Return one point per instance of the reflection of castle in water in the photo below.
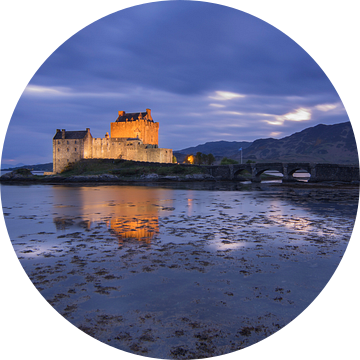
(128, 213)
(142, 229)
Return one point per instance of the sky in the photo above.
(207, 72)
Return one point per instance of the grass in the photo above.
(125, 168)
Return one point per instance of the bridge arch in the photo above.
(259, 169)
(243, 174)
(298, 168)
(300, 174)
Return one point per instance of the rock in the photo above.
(108, 177)
(18, 174)
(171, 178)
(168, 208)
(199, 177)
(92, 178)
(150, 177)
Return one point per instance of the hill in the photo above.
(37, 167)
(217, 148)
(321, 143)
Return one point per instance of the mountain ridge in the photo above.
(320, 143)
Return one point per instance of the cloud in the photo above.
(326, 107)
(44, 91)
(298, 115)
(47, 91)
(217, 105)
(220, 75)
(225, 95)
(301, 114)
(230, 113)
(275, 134)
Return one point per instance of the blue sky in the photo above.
(208, 72)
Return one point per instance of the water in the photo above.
(34, 172)
(179, 272)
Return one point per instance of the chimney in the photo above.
(107, 135)
(63, 133)
(148, 111)
(121, 113)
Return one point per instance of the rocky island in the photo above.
(107, 170)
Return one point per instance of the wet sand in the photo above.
(179, 273)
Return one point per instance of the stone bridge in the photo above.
(318, 172)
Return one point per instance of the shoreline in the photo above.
(154, 179)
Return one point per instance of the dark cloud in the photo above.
(174, 57)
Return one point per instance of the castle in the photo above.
(133, 136)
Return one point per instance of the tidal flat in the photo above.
(179, 272)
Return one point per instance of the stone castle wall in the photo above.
(105, 148)
(120, 148)
(68, 151)
(145, 130)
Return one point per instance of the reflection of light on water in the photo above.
(218, 243)
(129, 212)
(299, 175)
(273, 173)
(190, 206)
(142, 229)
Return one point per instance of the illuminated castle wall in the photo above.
(134, 136)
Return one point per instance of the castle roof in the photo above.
(131, 117)
(70, 134)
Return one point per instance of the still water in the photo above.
(172, 272)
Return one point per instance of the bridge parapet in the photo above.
(331, 172)
(318, 172)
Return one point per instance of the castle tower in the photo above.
(136, 125)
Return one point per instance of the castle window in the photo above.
(75, 141)
(67, 142)
(67, 150)
(75, 149)
(58, 141)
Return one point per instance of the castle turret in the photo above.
(148, 114)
